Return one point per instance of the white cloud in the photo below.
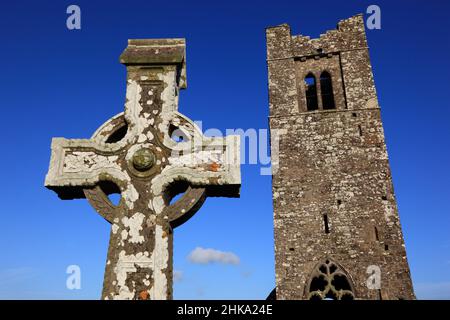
(205, 256)
(177, 275)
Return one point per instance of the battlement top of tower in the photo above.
(349, 35)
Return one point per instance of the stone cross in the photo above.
(148, 154)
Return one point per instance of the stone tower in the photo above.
(337, 230)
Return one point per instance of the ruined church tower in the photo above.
(337, 229)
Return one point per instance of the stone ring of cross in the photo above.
(144, 161)
(137, 154)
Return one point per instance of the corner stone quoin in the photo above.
(133, 154)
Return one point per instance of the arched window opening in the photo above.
(330, 282)
(326, 88)
(311, 92)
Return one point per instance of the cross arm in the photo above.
(211, 163)
(78, 163)
(214, 163)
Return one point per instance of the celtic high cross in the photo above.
(148, 154)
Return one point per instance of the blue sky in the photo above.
(56, 82)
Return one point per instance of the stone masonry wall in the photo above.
(332, 194)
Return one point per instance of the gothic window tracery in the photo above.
(330, 282)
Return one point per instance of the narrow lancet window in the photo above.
(326, 87)
(311, 92)
(325, 223)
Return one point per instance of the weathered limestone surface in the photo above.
(135, 154)
(335, 212)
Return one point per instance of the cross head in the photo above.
(149, 154)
